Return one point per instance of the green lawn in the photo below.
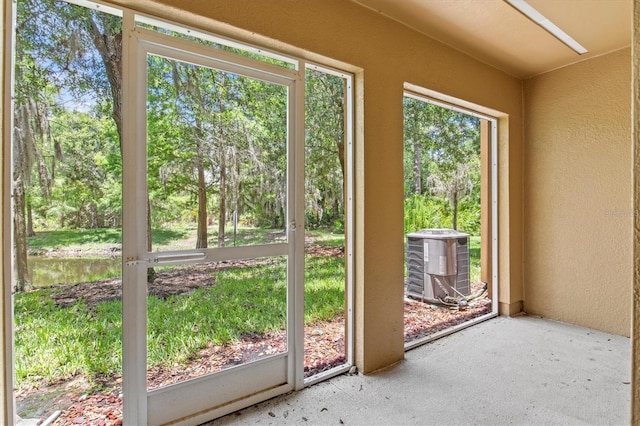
(73, 237)
(474, 258)
(53, 343)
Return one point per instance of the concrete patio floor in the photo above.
(518, 371)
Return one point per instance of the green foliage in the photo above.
(425, 212)
(88, 191)
(324, 150)
(219, 133)
(422, 212)
(206, 129)
(469, 217)
(441, 159)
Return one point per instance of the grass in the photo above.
(55, 343)
(101, 236)
(323, 288)
(326, 238)
(247, 300)
(72, 237)
(474, 258)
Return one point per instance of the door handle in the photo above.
(179, 257)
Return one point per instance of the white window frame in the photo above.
(349, 222)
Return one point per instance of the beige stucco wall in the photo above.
(384, 55)
(578, 206)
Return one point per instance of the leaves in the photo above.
(442, 159)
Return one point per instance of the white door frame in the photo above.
(210, 395)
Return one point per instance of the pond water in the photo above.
(48, 271)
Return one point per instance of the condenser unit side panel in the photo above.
(462, 257)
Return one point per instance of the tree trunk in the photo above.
(341, 155)
(201, 241)
(151, 273)
(454, 204)
(22, 281)
(223, 206)
(30, 231)
(417, 169)
(109, 46)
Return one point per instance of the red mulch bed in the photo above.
(323, 347)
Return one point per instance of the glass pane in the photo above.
(67, 187)
(212, 316)
(217, 157)
(325, 280)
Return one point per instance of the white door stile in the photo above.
(494, 215)
(296, 194)
(134, 291)
(350, 225)
(7, 410)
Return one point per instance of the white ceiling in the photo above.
(494, 32)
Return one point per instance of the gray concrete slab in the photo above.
(516, 371)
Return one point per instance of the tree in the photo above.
(325, 147)
(452, 184)
(32, 105)
(442, 149)
(216, 135)
(80, 51)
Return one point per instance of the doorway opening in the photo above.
(450, 218)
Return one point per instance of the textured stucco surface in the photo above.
(578, 204)
(385, 55)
